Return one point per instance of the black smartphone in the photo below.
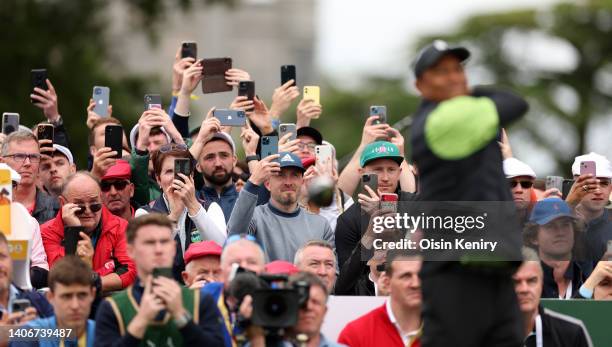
(152, 101)
(39, 79)
(163, 272)
(113, 138)
(370, 180)
(189, 49)
(247, 88)
(269, 146)
(234, 118)
(71, 238)
(287, 74)
(20, 305)
(45, 132)
(182, 165)
(10, 122)
(567, 186)
(213, 75)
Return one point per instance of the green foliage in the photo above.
(585, 26)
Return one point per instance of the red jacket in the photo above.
(110, 254)
(373, 329)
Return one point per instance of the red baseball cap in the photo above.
(121, 170)
(201, 249)
(281, 267)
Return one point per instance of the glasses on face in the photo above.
(309, 146)
(237, 237)
(21, 157)
(524, 184)
(105, 186)
(172, 146)
(95, 207)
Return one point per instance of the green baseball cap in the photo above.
(380, 150)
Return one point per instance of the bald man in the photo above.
(100, 234)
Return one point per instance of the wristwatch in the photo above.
(182, 321)
(251, 158)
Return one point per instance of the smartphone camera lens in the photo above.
(266, 141)
(283, 128)
(98, 91)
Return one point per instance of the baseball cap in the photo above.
(312, 132)
(380, 150)
(201, 249)
(432, 53)
(121, 170)
(65, 151)
(602, 164)
(220, 135)
(548, 209)
(15, 176)
(288, 159)
(134, 134)
(281, 267)
(515, 168)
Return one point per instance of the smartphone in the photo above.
(388, 201)
(312, 93)
(101, 96)
(554, 182)
(370, 180)
(567, 186)
(287, 74)
(163, 272)
(381, 112)
(323, 158)
(39, 79)
(113, 138)
(182, 165)
(20, 305)
(152, 101)
(234, 118)
(269, 146)
(286, 128)
(189, 49)
(587, 167)
(213, 75)
(71, 238)
(10, 122)
(45, 132)
(247, 88)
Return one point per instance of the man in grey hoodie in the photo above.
(281, 225)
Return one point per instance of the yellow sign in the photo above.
(5, 201)
(18, 249)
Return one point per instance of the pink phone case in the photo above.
(587, 167)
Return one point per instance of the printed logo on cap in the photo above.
(287, 157)
(383, 149)
(440, 45)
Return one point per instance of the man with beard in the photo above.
(55, 169)
(281, 225)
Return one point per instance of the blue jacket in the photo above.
(49, 323)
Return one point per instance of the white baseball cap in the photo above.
(602, 164)
(515, 168)
(65, 151)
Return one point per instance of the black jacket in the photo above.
(46, 207)
(560, 330)
(351, 225)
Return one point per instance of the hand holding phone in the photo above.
(189, 49)
(323, 155)
(101, 96)
(269, 146)
(312, 93)
(10, 122)
(233, 118)
(152, 101)
(388, 201)
(184, 166)
(370, 180)
(287, 128)
(163, 272)
(213, 75)
(113, 138)
(288, 74)
(380, 112)
(45, 132)
(588, 167)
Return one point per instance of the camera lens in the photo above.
(98, 91)
(275, 305)
(266, 141)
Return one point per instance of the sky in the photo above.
(360, 37)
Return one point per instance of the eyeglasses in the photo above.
(105, 186)
(310, 146)
(172, 146)
(95, 207)
(524, 184)
(21, 157)
(233, 238)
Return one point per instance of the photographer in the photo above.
(156, 310)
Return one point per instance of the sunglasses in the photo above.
(95, 207)
(243, 176)
(524, 184)
(172, 146)
(233, 238)
(105, 186)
